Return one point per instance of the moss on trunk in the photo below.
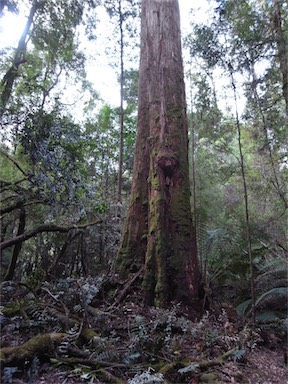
(158, 229)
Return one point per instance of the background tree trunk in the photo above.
(17, 247)
(10, 76)
(120, 164)
(159, 229)
(282, 43)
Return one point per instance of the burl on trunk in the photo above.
(159, 230)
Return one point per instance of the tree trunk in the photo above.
(245, 193)
(10, 76)
(282, 46)
(159, 230)
(17, 247)
(120, 164)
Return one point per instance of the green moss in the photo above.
(168, 367)
(209, 378)
(38, 345)
(12, 309)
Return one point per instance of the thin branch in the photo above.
(7, 185)
(20, 203)
(14, 162)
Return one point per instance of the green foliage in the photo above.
(271, 296)
(35, 278)
(272, 274)
(244, 307)
(8, 373)
(204, 43)
(220, 253)
(54, 147)
(131, 79)
(239, 40)
(238, 355)
(271, 290)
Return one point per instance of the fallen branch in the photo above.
(127, 287)
(92, 362)
(197, 365)
(98, 367)
(218, 361)
(43, 228)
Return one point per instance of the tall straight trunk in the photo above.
(159, 230)
(120, 164)
(245, 193)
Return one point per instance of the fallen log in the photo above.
(42, 344)
(196, 365)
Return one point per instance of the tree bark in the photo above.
(159, 230)
(17, 248)
(120, 164)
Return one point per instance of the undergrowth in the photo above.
(129, 343)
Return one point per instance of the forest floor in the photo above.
(91, 331)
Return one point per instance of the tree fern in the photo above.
(271, 290)
(238, 355)
(244, 307)
(272, 275)
(275, 295)
(218, 250)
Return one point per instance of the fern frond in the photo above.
(8, 373)
(110, 356)
(238, 354)
(273, 278)
(272, 296)
(267, 316)
(131, 358)
(243, 308)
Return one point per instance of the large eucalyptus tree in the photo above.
(159, 231)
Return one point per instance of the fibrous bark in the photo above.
(159, 230)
